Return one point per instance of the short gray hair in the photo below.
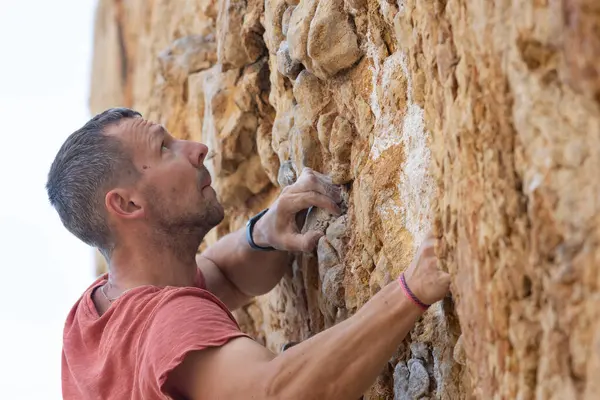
(86, 167)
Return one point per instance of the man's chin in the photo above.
(215, 214)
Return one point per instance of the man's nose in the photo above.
(197, 154)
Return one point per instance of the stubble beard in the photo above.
(185, 229)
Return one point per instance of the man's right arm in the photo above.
(338, 363)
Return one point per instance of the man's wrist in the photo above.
(256, 234)
(259, 234)
(410, 294)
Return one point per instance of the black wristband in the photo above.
(250, 227)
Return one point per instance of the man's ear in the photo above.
(122, 203)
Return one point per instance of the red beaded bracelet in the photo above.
(410, 294)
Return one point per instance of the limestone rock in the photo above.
(274, 10)
(382, 388)
(337, 232)
(478, 120)
(285, 19)
(340, 147)
(332, 285)
(321, 37)
(286, 175)
(239, 32)
(186, 56)
(317, 219)
(410, 382)
(327, 256)
(305, 148)
(311, 95)
(268, 157)
(297, 31)
(285, 65)
(332, 44)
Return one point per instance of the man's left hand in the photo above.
(278, 228)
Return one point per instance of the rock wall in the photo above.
(477, 118)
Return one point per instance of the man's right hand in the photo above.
(423, 277)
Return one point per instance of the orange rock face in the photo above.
(478, 119)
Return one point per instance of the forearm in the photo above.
(339, 363)
(253, 272)
(344, 361)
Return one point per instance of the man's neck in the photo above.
(132, 266)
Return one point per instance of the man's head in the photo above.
(120, 175)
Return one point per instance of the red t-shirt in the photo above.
(128, 351)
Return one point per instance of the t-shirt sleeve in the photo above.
(187, 320)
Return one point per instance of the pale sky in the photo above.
(44, 79)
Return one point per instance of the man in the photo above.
(158, 325)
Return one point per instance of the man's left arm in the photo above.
(235, 272)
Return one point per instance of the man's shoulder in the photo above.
(83, 306)
(142, 303)
(148, 311)
(189, 302)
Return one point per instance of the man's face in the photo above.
(174, 185)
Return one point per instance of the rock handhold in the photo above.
(317, 219)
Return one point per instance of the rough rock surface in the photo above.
(477, 118)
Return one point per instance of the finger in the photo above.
(323, 177)
(444, 279)
(315, 181)
(432, 265)
(319, 183)
(306, 242)
(309, 171)
(314, 199)
(426, 250)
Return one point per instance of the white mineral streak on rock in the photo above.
(387, 120)
(415, 186)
